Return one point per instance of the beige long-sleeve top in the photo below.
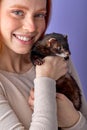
(15, 113)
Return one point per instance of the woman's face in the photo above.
(22, 23)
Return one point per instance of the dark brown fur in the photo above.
(57, 44)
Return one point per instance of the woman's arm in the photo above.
(81, 123)
(8, 118)
(44, 115)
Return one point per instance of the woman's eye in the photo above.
(18, 12)
(40, 15)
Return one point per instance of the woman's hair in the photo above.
(0, 43)
(48, 15)
(48, 12)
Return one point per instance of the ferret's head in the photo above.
(57, 43)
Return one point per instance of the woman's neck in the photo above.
(12, 62)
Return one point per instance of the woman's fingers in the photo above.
(54, 67)
(31, 99)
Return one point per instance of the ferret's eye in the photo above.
(59, 48)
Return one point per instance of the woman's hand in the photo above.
(31, 99)
(67, 114)
(54, 67)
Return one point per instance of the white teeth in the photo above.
(23, 38)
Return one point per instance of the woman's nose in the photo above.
(29, 24)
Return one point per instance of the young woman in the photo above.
(22, 23)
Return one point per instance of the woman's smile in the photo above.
(24, 39)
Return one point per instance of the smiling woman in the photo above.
(22, 23)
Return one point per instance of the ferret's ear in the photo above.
(48, 44)
(65, 36)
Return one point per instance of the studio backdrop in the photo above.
(70, 17)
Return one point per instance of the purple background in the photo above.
(70, 17)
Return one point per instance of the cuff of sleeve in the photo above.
(79, 125)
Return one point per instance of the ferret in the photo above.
(56, 44)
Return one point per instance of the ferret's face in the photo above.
(56, 47)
